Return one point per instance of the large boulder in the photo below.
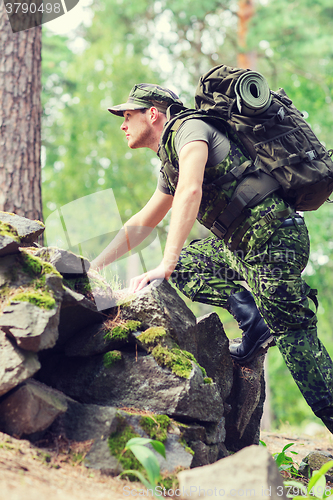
(134, 381)
(27, 230)
(245, 404)
(16, 365)
(30, 408)
(160, 305)
(251, 472)
(32, 328)
(212, 346)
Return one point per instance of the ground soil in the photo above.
(28, 472)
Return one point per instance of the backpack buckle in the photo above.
(281, 114)
(312, 155)
(218, 229)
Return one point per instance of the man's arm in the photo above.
(136, 229)
(192, 160)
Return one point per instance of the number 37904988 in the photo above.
(32, 8)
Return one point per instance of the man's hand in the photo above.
(141, 281)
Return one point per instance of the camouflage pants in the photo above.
(207, 271)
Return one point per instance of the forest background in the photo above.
(173, 42)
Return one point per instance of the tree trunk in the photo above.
(246, 10)
(20, 119)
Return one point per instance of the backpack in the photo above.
(273, 131)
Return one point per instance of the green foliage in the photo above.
(152, 335)
(122, 332)
(110, 358)
(174, 359)
(285, 462)
(147, 459)
(31, 265)
(34, 289)
(316, 487)
(156, 427)
(117, 442)
(287, 404)
(10, 231)
(39, 298)
(208, 380)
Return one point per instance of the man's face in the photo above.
(138, 129)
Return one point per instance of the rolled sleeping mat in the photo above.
(253, 94)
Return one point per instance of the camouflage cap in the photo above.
(146, 95)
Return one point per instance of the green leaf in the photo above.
(281, 459)
(318, 489)
(262, 443)
(142, 479)
(287, 446)
(159, 447)
(137, 441)
(317, 474)
(139, 475)
(148, 460)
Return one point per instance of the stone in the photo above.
(176, 453)
(64, 261)
(158, 304)
(6, 264)
(203, 454)
(8, 245)
(77, 312)
(246, 402)
(134, 381)
(314, 461)
(212, 346)
(16, 365)
(32, 327)
(100, 458)
(250, 472)
(92, 340)
(28, 230)
(30, 408)
(83, 422)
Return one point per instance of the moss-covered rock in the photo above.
(9, 231)
(38, 298)
(156, 426)
(179, 363)
(152, 336)
(34, 287)
(111, 357)
(28, 278)
(26, 229)
(178, 360)
(117, 442)
(122, 331)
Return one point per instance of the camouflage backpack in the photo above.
(274, 133)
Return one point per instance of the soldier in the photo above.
(267, 247)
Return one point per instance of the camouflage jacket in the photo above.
(257, 223)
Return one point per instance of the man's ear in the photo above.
(154, 114)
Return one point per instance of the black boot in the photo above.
(256, 336)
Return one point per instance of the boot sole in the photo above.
(258, 349)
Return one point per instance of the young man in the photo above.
(266, 245)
